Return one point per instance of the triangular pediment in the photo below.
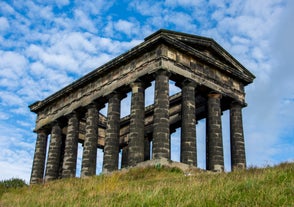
(207, 49)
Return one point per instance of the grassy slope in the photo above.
(159, 186)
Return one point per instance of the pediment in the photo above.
(206, 49)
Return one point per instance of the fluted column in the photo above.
(71, 147)
(53, 161)
(214, 143)
(136, 136)
(91, 140)
(161, 133)
(188, 129)
(37, 174)
(111, 147)
(238, 158)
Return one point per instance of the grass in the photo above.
(162, 186)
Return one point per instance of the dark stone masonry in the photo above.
(210, 79)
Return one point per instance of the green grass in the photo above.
(162, 186)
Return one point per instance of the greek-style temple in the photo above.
(210, 79)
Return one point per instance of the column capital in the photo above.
(96, 104)
(71, 114)
(238, 103)
(55, 123)
(140, 83)
(42, 130)
(214, 95)
(120, 95)
(186, 82)
(162, 71)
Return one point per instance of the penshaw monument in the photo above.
(210, 79)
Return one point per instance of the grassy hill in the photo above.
(163, 186)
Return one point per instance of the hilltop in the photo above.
(160, 185)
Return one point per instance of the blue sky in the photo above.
(45, 46)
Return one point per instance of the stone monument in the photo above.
(210, 79)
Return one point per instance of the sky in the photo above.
(46, 45)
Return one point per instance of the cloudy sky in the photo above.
(45, 46)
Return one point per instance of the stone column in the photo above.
(238, 158)
(111, 147)
(37, 174)
(53, 161)
(91, 140)
(161, 134)
(61, 157)
(71, 147)
(214, 144)
(136, 136)
(188, 130)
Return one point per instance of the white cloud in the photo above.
(9, 99)
(83, 21)
(126, 27)
(5, 8)
(4, 24)
(185, 3)
(4, 116)
(95, 7)
(13, 64)
(148, 8)
(16, 154)
(61, 3)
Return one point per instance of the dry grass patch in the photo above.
(163, 186)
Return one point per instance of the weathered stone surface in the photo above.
(71, 147)
(53, 161)
(90, 143)
(238, 158)
(136, 135)
(161, 134)
(111, 148)
(39, 158)
(214, 142)
(188, 130)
